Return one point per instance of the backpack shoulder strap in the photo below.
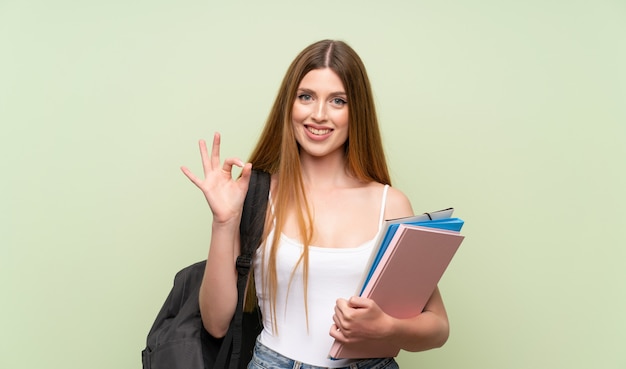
(253, 218)
(251, 232)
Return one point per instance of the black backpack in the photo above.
(177, 339)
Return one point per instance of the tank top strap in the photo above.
(381, 218)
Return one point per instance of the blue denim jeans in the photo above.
(265, 358)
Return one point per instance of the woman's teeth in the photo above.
(319, 132)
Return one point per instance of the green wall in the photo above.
(513, 112)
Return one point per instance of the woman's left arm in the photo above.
(359, 318)
(428, 330)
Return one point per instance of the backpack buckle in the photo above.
(243, 264)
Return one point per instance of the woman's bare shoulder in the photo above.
(398, 204)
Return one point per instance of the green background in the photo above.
(513, 112)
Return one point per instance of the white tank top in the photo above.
(333, 273)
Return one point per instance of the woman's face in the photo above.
(320, 113)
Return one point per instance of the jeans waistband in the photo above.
(264, 357)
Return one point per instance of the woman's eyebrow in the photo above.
(309, 91)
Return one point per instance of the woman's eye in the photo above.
(304, 97)
(340, 102)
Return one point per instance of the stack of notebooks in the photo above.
(410, 256)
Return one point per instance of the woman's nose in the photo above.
(319, 112)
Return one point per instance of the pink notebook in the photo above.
(404, 280)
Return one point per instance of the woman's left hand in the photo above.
(358, 319)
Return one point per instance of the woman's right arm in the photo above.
(218, 292)
(225, 195)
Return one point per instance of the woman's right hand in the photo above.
(224, 194)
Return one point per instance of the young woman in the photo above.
(330, 192)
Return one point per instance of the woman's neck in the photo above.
(328, 172)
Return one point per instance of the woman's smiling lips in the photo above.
(317, 133)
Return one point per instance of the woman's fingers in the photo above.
(230, 162)
(191, 176)
(212, 162)
(204, 156)
(215, 151)
(246, 172)
(336, 333)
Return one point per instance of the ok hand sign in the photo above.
(224, 194)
